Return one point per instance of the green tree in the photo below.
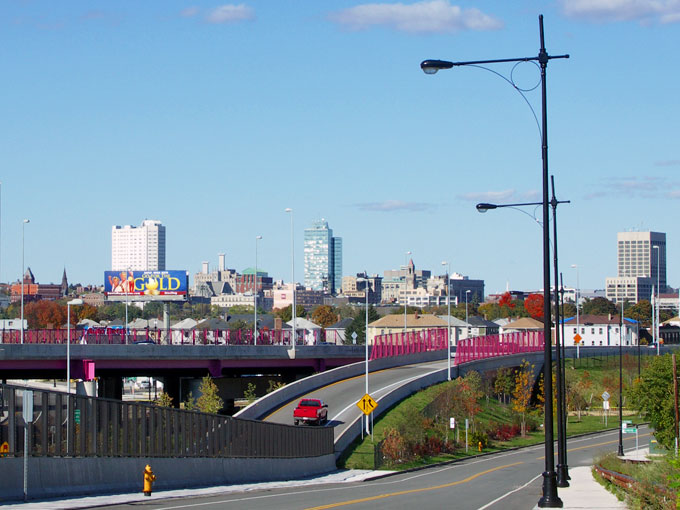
(209, 401)
(598, 306)
(568, 310)
(358, 325)
(652, 395)
(286, 313)
(249, 393)
(241, 310)
(504, 383)
(152, 310)
(640, 311)
(164, 400)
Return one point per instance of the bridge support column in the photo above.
(110, 387)
(86, 388)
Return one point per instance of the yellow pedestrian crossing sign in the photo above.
(367, 404)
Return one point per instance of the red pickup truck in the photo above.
(310, 410)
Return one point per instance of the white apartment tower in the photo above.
(641, 258)
(138, 248)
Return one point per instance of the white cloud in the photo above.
(189, 12)
(644, 11)
(489, 196)
(395, 205)
(420, 17)
(230, 13)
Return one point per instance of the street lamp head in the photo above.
(432, 66)
(444, 262)
(77, 301)
(288, 209)
(258, 237)
(27, 221)
(483, 207)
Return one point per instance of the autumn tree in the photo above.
(45, 314)
(533, 304)
(324, 316)
(521, 393)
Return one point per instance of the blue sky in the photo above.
(214, 118)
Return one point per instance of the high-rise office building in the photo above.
(138, 248)
(323, 258)
(641, 261)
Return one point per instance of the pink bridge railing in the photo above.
(398, 344)
(470, 349)
(162, 336)
(482, 347)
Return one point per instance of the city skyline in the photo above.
(212, 119)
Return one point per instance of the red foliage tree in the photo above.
(506, 300)
(533, 304)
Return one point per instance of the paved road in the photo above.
(342, 396)
(505, 481)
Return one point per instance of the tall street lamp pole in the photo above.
(620, 449)
(68, 370)
(257, 238)
(467, 322)
(656, 301)
(550, 497)
(23, 224)
(292, 271)
(448, 318)
(578, 322)
(562, 467)
(405, 286)
(365, 280)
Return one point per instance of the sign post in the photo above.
(605, 406)
(367, 405)
(27, 407)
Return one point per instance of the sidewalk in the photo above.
(584, 492)
(345, 476)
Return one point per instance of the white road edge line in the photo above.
(511, 492)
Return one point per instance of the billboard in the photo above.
(146, 285)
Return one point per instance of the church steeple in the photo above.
(64, 284)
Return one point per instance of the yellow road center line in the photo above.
(412, 491)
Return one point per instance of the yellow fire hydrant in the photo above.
(149, 478)
(480, 446)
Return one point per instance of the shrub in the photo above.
(480, 437)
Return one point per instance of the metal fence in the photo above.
(79, 426)
(489, 346)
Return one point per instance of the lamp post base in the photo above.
(550, 498)
(563, 475)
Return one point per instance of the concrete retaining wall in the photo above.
(272, 401)
(57, 477)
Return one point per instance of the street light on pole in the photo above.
(562, 468)
(656, 300)
(68, 370)
(292, 272)
(257, 238)
(467, 323)
(620, 450)
(549, 497)
(365, 280)
(23, 224)
(127, 293)
(448, 318)
(405, 286)
(578, 322)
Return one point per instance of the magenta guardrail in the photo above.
(398, 344)
(162, 336)
(481, 347)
